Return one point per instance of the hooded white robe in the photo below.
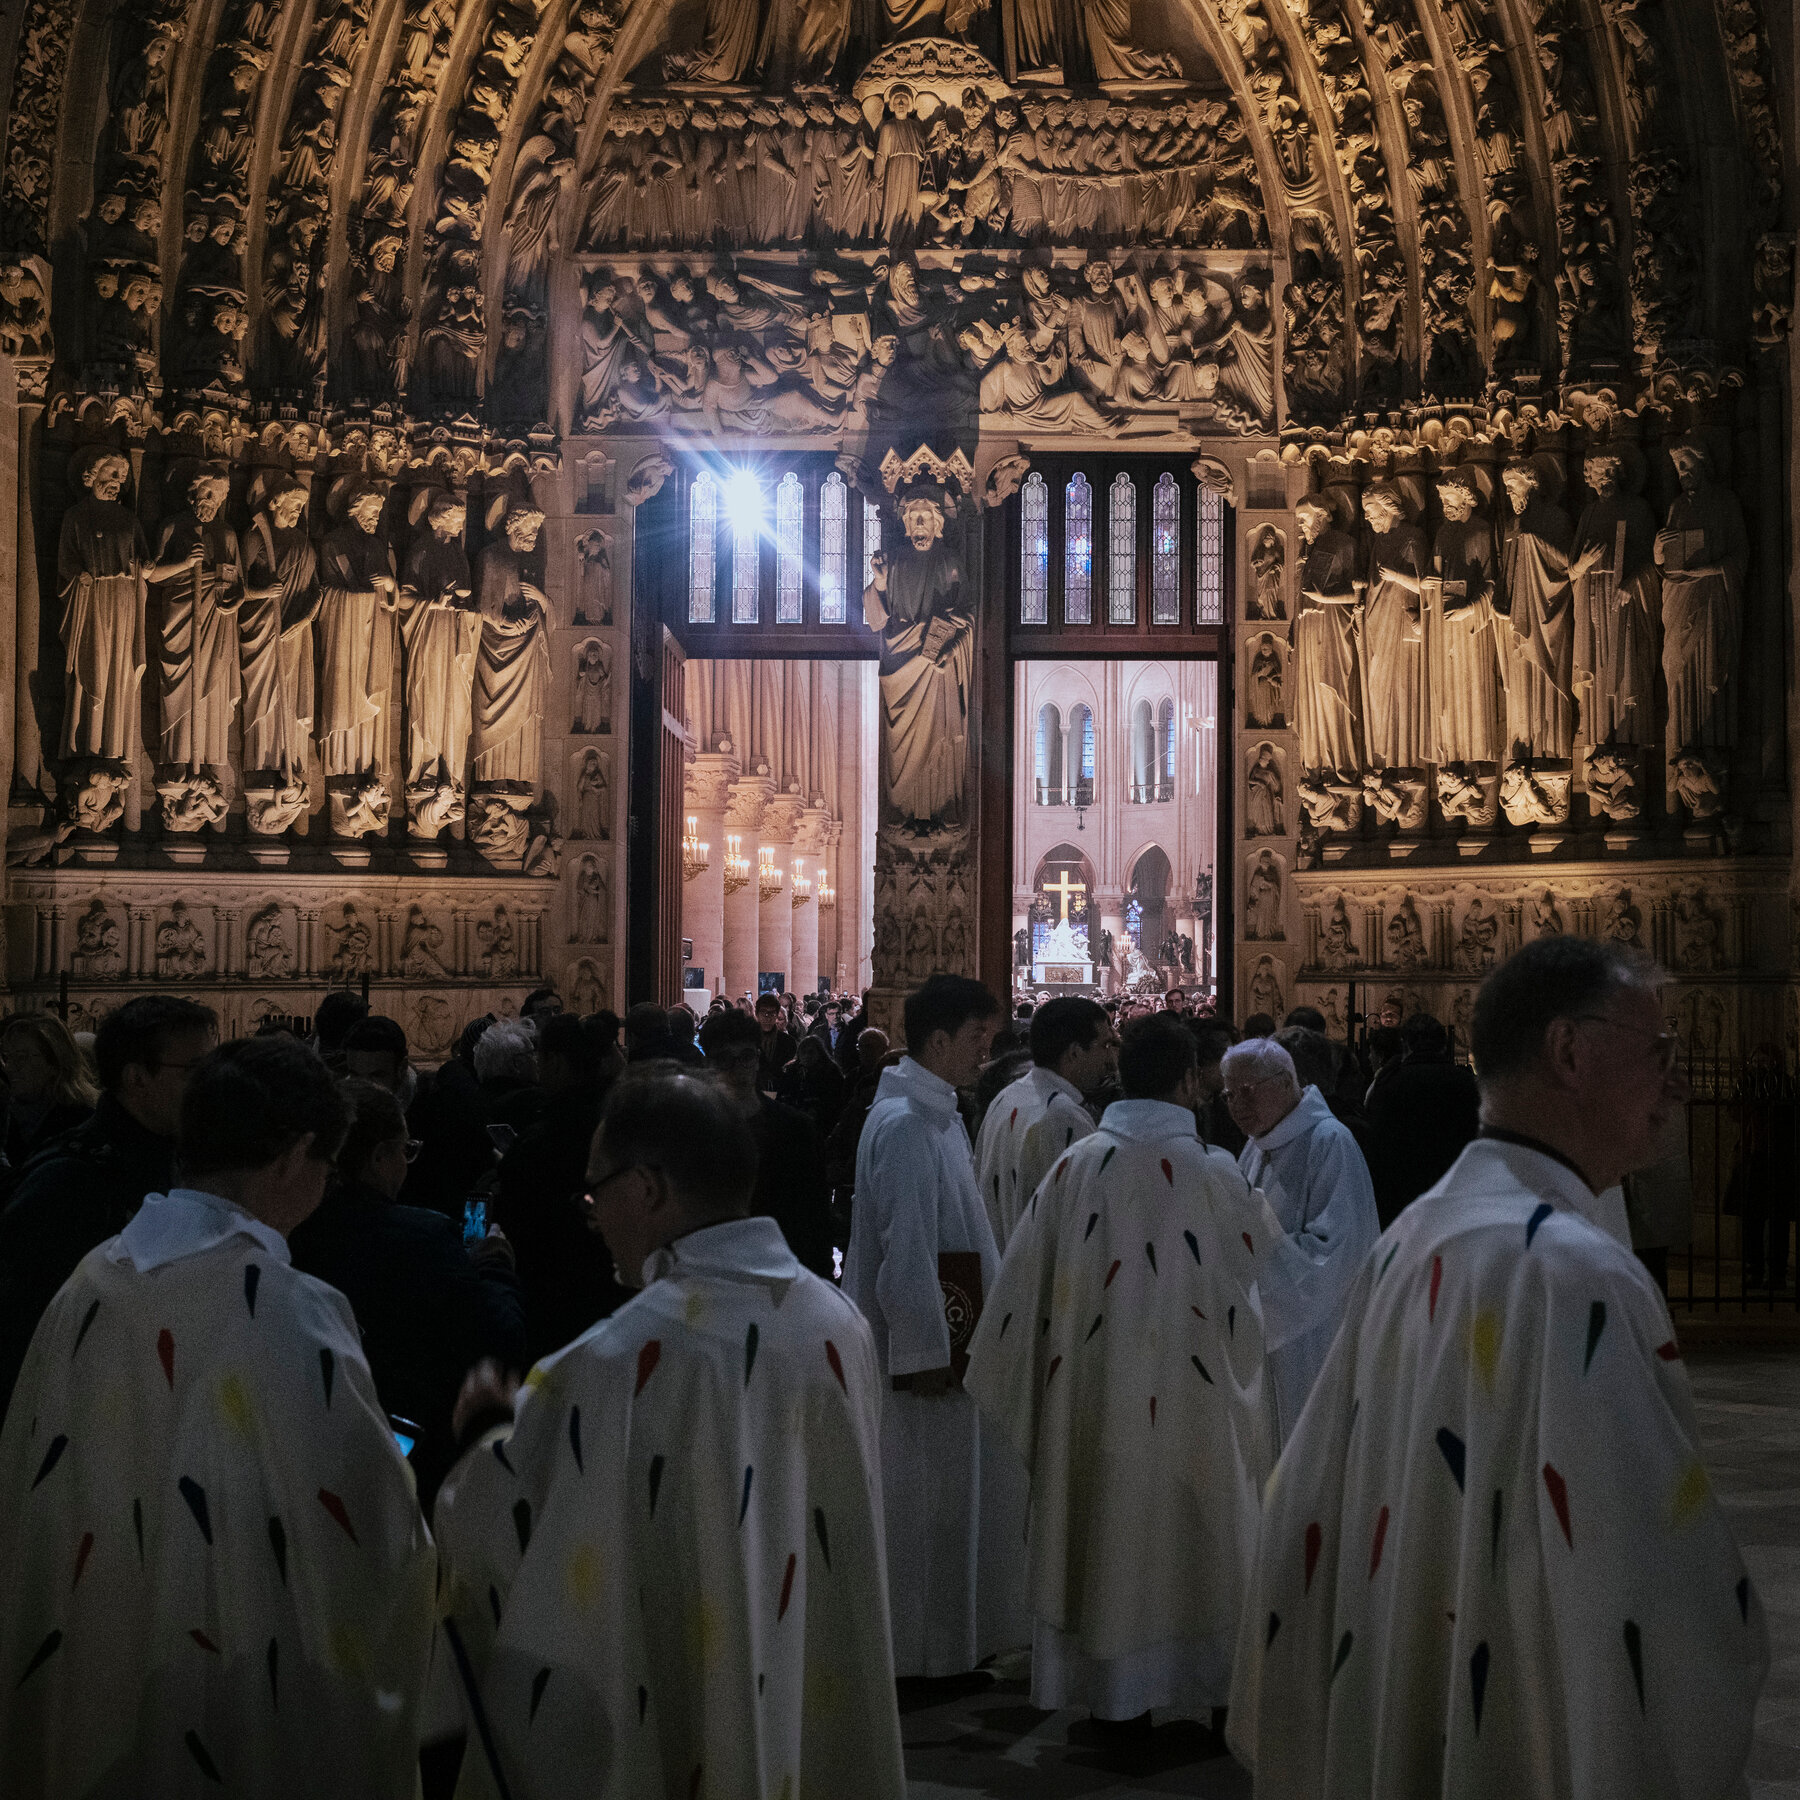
(1316, 1182)
(954, 1494)
(217, 1580)
(668, 1573)
(1031, 1123)
(1491, 1563)
(1122, 1352)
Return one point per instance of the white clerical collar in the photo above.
(1144, 1121)
(752, 1248)
(1541, 1172)
(1050, 1084)
(185, 1222)
(1310, 1111)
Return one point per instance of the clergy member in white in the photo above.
(216, 1577)
(667, 1573)
(1313, 1175)
(1033, 1120)
(954, 1492)
(1122, 1351)
(1491, 1562)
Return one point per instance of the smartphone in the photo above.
(406, 1433)
(474, 1223)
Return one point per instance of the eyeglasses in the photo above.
(591, 1194)
(193, 1062)
(1230, 1095)
(1665, 1044)
(413, 1147)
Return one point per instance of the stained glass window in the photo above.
(1121, 524)
(1034, 551)
(1083, 722)
(746, 550)
(790, 558)
(871, 539)
(1078, 553)
(1166, 732)
(1165, 552)
(1210, 561)
(703, 547)
(834, 525)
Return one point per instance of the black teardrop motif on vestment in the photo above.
(198, 1752)
(1478, 1674)
(1634, 1650)
(1093, 1220)
(522, 1523)
(278, 1543)
(328, 1370)
(87, 1319)
(252, 1277)
(1099, 1320)
(744, 1503)
(39, 1657)
(1150, 1251)
(274, 1661)
(500, 1458)
(1494, 1535)
(539, 1682)
(1454, 1453)
(1003, 1325)
(749, 1351)
(1343, 1653)
(1198, 1364)
(494, 1602)
(575, 1438)
(1743, 1598)
(1545, 1209)
(195, 1496)
(1274, 1626)
(824, 1540)
(52, 1457)
(643, 1701)
(656, 1469)
(137, 1525)
(1193, 1244)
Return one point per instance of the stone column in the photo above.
(707, 798)
(809, 846)
(750, 794)
(776, 922)
(1109, 905)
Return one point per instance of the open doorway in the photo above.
(1115, 833)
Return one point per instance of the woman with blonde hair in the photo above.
(50, 1088)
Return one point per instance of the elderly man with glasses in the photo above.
(1317, 1185)
(1490, 1558)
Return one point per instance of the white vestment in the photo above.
(1030, 1124)
(216, 1577)
(1491, 1564)
(1315, 1180)
(668, 1574)
(954, 1493)
(1122, 1351)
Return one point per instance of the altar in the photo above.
(1062, 959)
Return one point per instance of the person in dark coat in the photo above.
(1421, 1114)
(565, 1268)
(428, 1309)
(791, 1187)
(776, 1049)
(449, 1118)
(851, 1026)
(1217, 1126)
(86, 1187)
(813, 1084)
(48, 1089)
(840, 1146)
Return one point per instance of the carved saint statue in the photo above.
(419, 959)
(1266, 684)
(1265, 989)
(266, 953)
(180, 947)
(590, 903)
(927, 654)
(594, 606)
(1540, 639)
(96, 956)
(275, 638)
(593, 798)
(512, 670)
(440, 627)
(100, 567)
(1703, 554)
(1546, 916)
(1262, 899)
(1337, 943)
(1614, 575)
(1461, 646)
(1479, 942)
(593, 688)
(359, 661)
(496, 952)
(1263, 794)
(1406, 937)
(353, 945)
(1267, 560)
(199, 572)
(587, 991)
(1393, 640)
(1327, 703)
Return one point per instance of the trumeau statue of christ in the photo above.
(927, 652)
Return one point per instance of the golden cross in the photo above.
(1065, 890)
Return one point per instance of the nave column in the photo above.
(777, 923)
(750, 795)
(809, 847)
(708, 798)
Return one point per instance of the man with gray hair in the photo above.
(1317, 1184)
(1490, 1558)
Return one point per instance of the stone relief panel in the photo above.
(592, 919)
(1266, 801)
(1263, 899)
(591, 782)
(592, 690)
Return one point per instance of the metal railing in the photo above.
(1743, 1140)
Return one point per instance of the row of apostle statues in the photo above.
(1481, 648)
(793, 352)
(297, 641)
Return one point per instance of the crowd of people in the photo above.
(627, 1405)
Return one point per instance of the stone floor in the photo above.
(992, 1741)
